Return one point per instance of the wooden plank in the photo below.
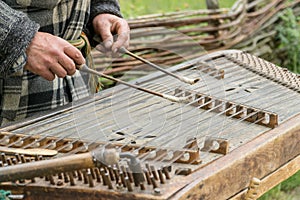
(274, 179)
(226, 176)
(49, 193)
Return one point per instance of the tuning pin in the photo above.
(109, 183)
(122, 177)
(128, 184)
(98, 175)
(147, 174)
(161, 177)
(90, 179)
(71, 177)
(51, 179)
(153, 172)
(153, 181)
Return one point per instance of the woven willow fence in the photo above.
(167, 39)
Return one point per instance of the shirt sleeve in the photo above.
(16, 32)
(105, 6)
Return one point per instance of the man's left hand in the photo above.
(108, 25)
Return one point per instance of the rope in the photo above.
(83, 44)
(4, 194)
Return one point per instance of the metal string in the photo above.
(232, 93)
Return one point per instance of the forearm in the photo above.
(16, 32)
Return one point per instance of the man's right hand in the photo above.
(49, 55)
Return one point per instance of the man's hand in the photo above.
(48, 55)
(107, 25)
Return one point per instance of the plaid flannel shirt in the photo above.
(23, 93)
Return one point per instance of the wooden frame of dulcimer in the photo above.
(256, 147)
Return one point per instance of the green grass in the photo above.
(133, 8)
(284, 190)
(288, 34)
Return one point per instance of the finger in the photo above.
(68, 64)
(122, 29)
(108, 44)
(100, 48)
(47, 74)
(58, 69)
(122, 41)
(106, 35)
(40, 70)
(74, 54)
